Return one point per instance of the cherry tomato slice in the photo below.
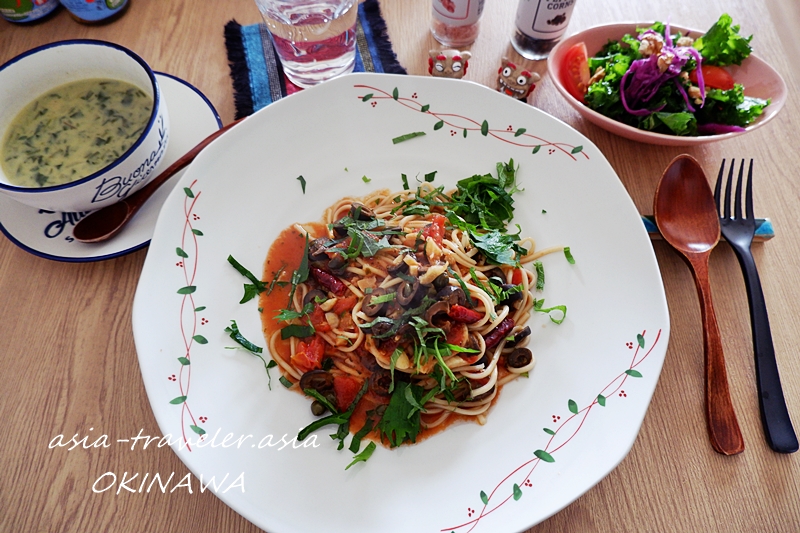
(575, 71)
(714, 77)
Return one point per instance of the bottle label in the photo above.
(93, 10)
(26, 10)
(544, 19)
(458, 12)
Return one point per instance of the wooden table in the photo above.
(69, 364)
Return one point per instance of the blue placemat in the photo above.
(258, 78)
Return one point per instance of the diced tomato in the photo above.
(317, 319)
(575, 71)
(435, 229)
(516, 277)
(344, 304)
(308, 356)
(714, 77)
(346, 389)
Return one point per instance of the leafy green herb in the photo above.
(396, 424)
(301, 274)
(538, 305)
(294, 330)
(286, 315)
(285, 382)
(255, 287)
(302, 181)
(236, 335)
(539, 275)
(722, 45)
(364, 455)
(568, 255)
(407, 136)
(365, 179)
(485, 201)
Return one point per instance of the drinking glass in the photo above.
(315, 39)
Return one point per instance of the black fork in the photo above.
(738, 230)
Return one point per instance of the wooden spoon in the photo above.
(687, 218)
(106, 222)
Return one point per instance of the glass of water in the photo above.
(315, 39)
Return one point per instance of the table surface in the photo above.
(69, 363)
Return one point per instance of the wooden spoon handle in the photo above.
(723, 428)
(138, 198)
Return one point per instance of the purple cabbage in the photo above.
(716, 129)
(643, 79)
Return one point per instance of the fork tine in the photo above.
(718, 186)
(737, 205)
(749, 193)
(728, 186)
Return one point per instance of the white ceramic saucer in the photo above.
(48, 234)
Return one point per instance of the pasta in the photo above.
(400, 311)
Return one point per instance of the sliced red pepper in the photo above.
(499, 333)
(329, 281)
(459, 313)
(516, 277)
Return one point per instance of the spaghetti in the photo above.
(405, 310)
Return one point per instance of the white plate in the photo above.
(244, 190)
(48, 234)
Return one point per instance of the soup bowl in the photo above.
(34, 73)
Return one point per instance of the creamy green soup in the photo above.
(74, 130)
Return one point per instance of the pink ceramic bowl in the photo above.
(759, 79)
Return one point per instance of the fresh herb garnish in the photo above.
(302, 181)
(407, 136)
(299, 331)
(363, 456)
(299, 275)
(568, 255)
(236, 335)
(252, 289)
(538, 305)
(400, 423)
(285, 315)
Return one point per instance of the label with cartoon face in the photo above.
(26, 10)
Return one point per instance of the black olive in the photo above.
(312, 296)
(519, 358)
(316, 250)
(318, 380)
(436, 309)
(513, 297)
(368, 307)
(452, 295)
(361, 212)
(395, 269)
(407, 292)
(461, 390)
(380, 381)
(442, 281)
(381, 328)
(518, 336)
(339, 230)
(337, 264)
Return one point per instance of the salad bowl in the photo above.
(759, 79)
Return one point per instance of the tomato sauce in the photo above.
(284, 256)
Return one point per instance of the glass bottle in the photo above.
(456, 22)
(27, 12)
(95, 11)
(540, 25)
